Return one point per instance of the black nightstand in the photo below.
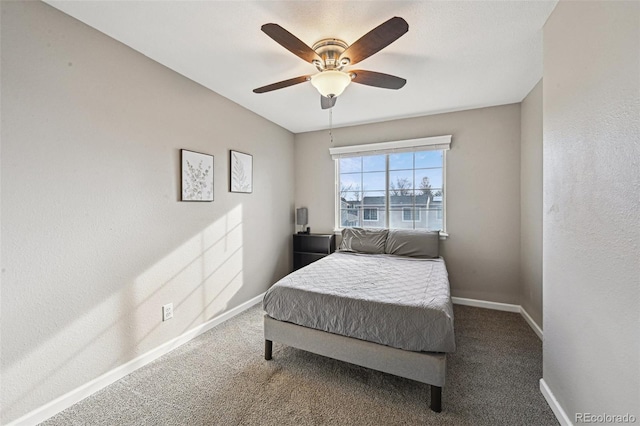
(307, 248)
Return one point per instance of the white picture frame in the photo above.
(240, 172)
(197, 176)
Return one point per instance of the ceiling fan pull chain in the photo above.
(331, 125)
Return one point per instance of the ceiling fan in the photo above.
(330, 56)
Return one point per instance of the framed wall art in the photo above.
(241, 172)
(197, 176)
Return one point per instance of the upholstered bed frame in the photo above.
(424, 367)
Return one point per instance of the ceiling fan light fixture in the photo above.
(331, 83)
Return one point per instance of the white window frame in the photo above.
(434, 143)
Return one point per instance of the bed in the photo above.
(381, 302)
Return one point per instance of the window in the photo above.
(370, 215)
(410, 214)
(392, 187)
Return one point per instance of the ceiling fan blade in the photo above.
(290, 42)
(282, 84)
(327, 103)
(376, 40)
(377, 79)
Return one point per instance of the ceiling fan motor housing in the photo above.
(330, 49)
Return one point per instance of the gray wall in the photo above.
(483, 191)
(94, 239)
(591, 238)
(531, 203)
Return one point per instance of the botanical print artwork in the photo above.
(197, 176)
(241, 172)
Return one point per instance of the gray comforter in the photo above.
(396, 301)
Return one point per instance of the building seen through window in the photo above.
(396, 190)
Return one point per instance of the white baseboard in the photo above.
(496, 306)
(67, 400)
(507, 307)
(536, 328)
(555, 406)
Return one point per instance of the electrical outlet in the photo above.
(167, 311)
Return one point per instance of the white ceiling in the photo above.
(457, 55)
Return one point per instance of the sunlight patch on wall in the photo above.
(196, 277)
(199, 278)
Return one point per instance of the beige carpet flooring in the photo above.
(221, 378)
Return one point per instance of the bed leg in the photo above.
(436, 398)
(268, 346)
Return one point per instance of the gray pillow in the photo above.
(413, 242)
(361, 240)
